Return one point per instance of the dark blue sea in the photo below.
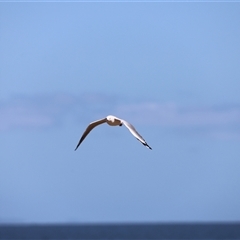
(122, 231)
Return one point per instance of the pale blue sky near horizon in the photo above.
(171, 69)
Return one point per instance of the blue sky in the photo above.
(171, 69)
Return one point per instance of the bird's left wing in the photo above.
(89, 128)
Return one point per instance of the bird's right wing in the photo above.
(89, 128)
(135, 133)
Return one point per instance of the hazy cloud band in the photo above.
(48, 110)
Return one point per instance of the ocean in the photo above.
(122, 231)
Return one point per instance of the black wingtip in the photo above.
(76, 147)
(146, 145)
(149, 147)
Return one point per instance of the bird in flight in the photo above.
(113, 121)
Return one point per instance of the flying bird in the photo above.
(113, 121)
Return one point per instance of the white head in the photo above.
(111, 118)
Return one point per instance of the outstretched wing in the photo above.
(135, 133)
(89, 128)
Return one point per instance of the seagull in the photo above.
(113, 121)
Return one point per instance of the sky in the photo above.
(169, 68)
